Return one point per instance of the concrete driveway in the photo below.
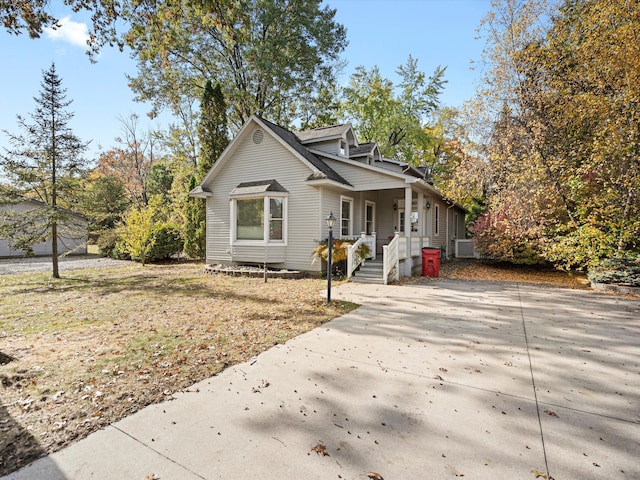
(442, 380)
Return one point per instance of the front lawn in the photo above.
(98, 345)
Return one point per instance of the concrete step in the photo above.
(370, 272)
(372, 280)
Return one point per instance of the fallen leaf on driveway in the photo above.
(374, 476)
(551, 413)
(542, 475)
(321, 449)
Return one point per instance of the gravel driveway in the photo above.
(43, 264)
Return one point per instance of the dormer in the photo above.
(336, 140)
(365, 153)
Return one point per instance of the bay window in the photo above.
(259, 213)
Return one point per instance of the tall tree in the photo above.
(34, 16)
(44, 163)
(564, 148)
(582, 105)
(104, 201)
(212, 133)
(132, 161)
(212, 129)
(394, 116)
(263, 52)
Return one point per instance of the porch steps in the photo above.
(370, 272)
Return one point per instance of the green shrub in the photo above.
(110, 245)
(165, 241)
(619, 271)
(147, 238)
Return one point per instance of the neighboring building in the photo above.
(72, 236)
(295, 180)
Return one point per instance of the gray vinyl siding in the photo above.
(439, 239)
(454, 231)
(265, 161)
(365, 178)
(330, 146)
(331, 204)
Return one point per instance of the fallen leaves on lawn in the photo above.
(467, 269)
(99, 345)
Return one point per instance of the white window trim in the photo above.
(349, 200)
(373, 220)
(266, 216)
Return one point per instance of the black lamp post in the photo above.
(331, 221)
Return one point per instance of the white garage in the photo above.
(72, 236)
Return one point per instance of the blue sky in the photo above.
(380, 32)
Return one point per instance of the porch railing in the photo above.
(402, 247)
(354, 260)
(391, 259)
(369, 241)
(416, 244)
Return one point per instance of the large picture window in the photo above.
(250, 219)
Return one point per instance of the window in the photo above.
(346, 216)
(436, 228)
(276, 218)
(259, 212)
(369, 218)
(250, 214)
(250, 219)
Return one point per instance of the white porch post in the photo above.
(420, 218)
(408, 205)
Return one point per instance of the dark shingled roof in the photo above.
(261, 186)
(362, 149)
(292, 140)
(322, 132)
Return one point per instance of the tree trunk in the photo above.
(54, 250)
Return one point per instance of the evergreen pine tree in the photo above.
(212, 130)
(44, 163)
(212, 133)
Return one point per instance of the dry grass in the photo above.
(100, 344)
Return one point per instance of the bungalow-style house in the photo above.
(269, 194)
(72, 236)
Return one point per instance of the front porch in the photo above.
(395, 224)
(401, 257)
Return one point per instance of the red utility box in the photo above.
(430, 262)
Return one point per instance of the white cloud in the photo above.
(69, 31)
